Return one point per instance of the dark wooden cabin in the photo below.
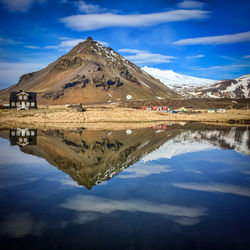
(23, 100)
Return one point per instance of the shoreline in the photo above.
(115, 118)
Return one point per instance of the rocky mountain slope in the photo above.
(182, 84)
(234, 88)
(90, 73)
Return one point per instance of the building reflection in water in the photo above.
(23, 137)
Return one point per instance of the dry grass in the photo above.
(107, 117)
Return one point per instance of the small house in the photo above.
(23, 100)
(155, 108)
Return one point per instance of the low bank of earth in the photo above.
(111, 117)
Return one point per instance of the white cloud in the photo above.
(99, 21)
(197, 56)
(32, 47)
(143, 56)
(19, 5)
(89, 8)
(11, 71)
(247, 56)
(215, 40)
(67, 43)
(214, 187)
(138, 171)
(191, 5)
(87, 203)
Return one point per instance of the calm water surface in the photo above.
(168, 187)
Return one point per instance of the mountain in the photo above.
(90, 73)
(182, 84)
(234, 88)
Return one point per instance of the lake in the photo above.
(174, 186)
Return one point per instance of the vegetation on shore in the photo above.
(111, 117)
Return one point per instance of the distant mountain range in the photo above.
(234, 88)
(189, 86)
(90, 73)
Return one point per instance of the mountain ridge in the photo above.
(189, 86)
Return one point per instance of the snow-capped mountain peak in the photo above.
(178, 82)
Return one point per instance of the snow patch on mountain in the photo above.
(232, 88)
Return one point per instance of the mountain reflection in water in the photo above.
(175, 186)
(91, 157)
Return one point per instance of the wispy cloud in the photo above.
(89, 8)
(191, 5)
(32, 47)
(138, 171)
(68, 43)
(222, 67)
(215, 187)
(143, 56)
(215, 40)
(11, 71)
(87, 203)
(197, 56)
(99, 21)
(247, 56)
(19, 5)
(7, 41)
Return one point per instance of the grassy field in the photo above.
(111, 117)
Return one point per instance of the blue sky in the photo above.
(209, 39)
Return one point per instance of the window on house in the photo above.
(25, 97)
(32, 104)
(13, 133)
(32, 133)
(28, 133)
(20, 97)
(18, 104)
(20, 139)
(28, 103)
(25, 139)
(13, 104)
